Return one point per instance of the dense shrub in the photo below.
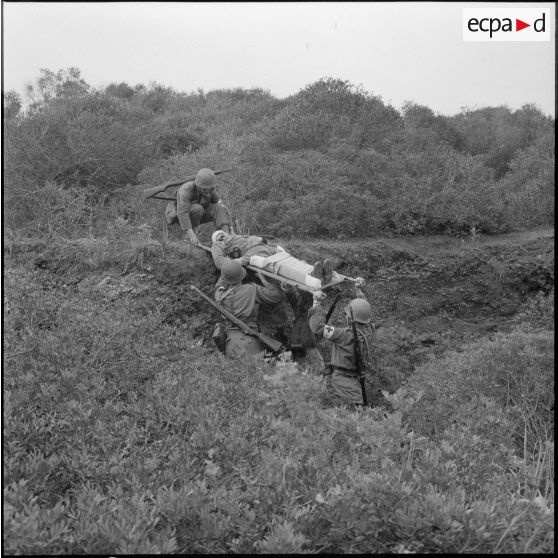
(515, 369)
(327, 213)
(328, 111)
(539, 313)
(11, 104)
(423, 118)
(528, 189)
(250, 106)
(121, 90)
(293, 130)
(175, 134)
(92, 141)
(499, 133)
(411, 173)
(125, 433)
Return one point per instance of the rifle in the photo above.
(327, 317)
(152, 192)
(274, 345)
(358, 359)
(331, 309)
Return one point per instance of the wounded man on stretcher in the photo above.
(255, 252)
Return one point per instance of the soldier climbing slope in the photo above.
(243, 302)
(198, 202)
(344, 379)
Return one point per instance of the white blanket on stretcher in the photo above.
(287, 266)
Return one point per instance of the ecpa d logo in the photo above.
(506, 24)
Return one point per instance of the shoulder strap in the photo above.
(227, 292)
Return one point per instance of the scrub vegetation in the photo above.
(125, 431)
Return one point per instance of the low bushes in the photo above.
(125, 434)
(516, 370)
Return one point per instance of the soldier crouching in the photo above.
(243, 302)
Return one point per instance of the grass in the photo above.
(125, 433)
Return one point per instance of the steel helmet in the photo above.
(217, 235)
(206, 178)
(361, 310)
(232, 272)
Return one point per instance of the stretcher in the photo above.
(336, 278)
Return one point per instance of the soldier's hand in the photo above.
(318, 296)
(243, 260)
(359, 282)
(192, 237)
(263, 279)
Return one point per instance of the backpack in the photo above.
(219, 334)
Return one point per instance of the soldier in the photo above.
(197, 202)
(239, 247)
(242, 247)
(300, 334)
(344, 381)
(243, 301)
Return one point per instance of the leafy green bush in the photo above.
(328, 111)
(515, 369)
(539, 313)
(528, 188)
(412, 173)
(500, 133)
(94, 141)
(124, 433)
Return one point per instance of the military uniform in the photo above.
(195, 206)
(344, 380)
(243, 301)
(301, 334)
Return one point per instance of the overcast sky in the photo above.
(400, 51)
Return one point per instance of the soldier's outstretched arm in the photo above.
(318, 325)
(218, 254)
(265, 282)
(316, 314)
(269, 293)
(359, 283)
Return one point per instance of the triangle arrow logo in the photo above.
(519, 25)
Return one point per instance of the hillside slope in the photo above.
(429, 294)
(126, 432)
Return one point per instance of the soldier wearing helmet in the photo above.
(243, 301)
(344, 381)
(197, 202)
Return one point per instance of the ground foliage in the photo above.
(124, 431)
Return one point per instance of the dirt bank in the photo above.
(429, 294)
